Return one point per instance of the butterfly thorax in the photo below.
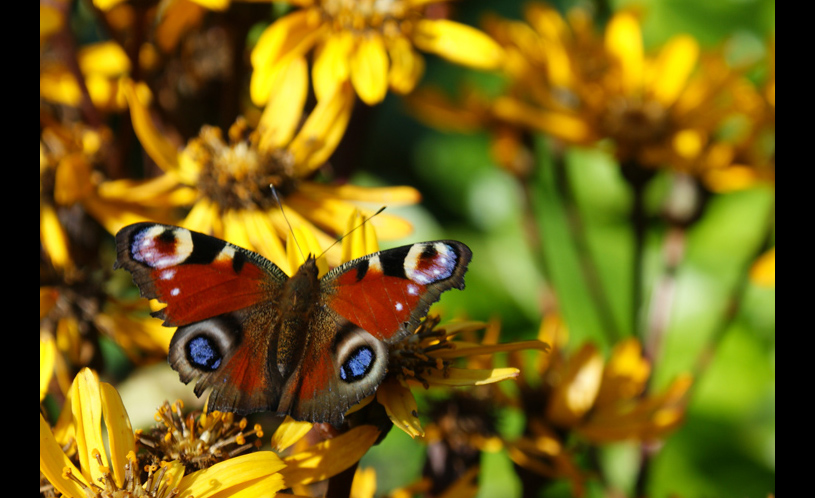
(301, 294)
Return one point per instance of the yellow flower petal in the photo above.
(302, 244)
(87, 412)
(360, 239)
(401, 406)
(51, 21)
(289, 432)
(322, 131)
(289, 37)
(105, 58)
(389, 196)
(329, 213)
(235, 229)
(369, 68)
(624, 42)
(463, 350)
(120, 432)
(47, 353)
(763, 271)
(73, 180)
(331, 67)
(730, 179)
(672, 69)
(214, 4)
(651, 418)
(625, 374)
(564, 126)
(407, 66)
(281, 116)
(577, 390)
(53, 238)
(235, 474)
(458, 43)
(178, 18)
(53, 461)
(264, 236)
(200, 217)
(470, 377)
(105, 5)
(364, 484)
(164, 153)
(329, 458)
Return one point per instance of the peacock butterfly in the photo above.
(304, 346)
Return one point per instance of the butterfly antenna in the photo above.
(364, 220)
(291, 230)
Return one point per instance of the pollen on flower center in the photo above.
(410, 359)
(358, 15)
(635, 122)
(237, 175)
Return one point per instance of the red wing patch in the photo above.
(389, 292)
(196, 275)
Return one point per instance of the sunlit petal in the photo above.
(624, 43)
(281, 116)
(672, 69)
(401, 406)
(369, 69)
(330, 457)
(458, 43)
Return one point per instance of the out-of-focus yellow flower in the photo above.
(101, 64)
(763, 270)
(71, 163)
(565, 79)
(599, 400)
(752, 152)
(233, 178)
(370, 43)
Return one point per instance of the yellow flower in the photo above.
(568, 81)
(426, 359)
(92, 467)
(370, 43)
(232, 178)
(103, 469)
(600, 401)
(100, 64)
(71, 162)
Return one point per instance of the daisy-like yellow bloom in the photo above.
(371, 43)
(426, 359)
(600, 401)
(581, 86)
(95, 466)
(232, 176)
(90, 467)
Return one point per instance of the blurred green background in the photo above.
(727, 445)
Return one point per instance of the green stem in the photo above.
(588, 268)
(637, 177)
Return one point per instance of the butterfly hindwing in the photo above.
(223, 299)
